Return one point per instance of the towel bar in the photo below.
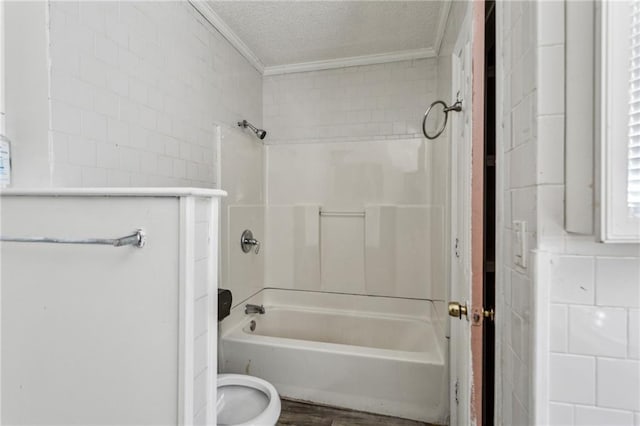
(136, 239)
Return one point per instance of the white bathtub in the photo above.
(376, 354)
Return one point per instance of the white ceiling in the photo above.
(281, 33)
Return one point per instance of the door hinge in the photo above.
(478, 315)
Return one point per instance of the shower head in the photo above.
(261, 133)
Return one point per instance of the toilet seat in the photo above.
(246, 401)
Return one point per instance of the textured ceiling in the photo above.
(291, 32)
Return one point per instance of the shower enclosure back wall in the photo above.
(393, 246)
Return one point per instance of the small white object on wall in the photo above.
(520, 249)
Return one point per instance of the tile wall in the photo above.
(356, 103)
(517, 192)
(134, 101)
(205, 256)
(587, 296)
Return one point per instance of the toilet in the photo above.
(246, 401)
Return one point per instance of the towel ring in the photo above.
(457, 106)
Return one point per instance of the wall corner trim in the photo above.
(352, 61)
(214, 19)
(218, 23)
(442, 26)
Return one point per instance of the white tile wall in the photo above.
(593, 416)
(617, 282)
(573, 279)
(136, 89)
(634, 334)
(365, 102)
(205, 273)
(559, 320)
(560, 414)
(619, 384)
(517, 174)
(593, 289)
(582, 386)
(595, 330)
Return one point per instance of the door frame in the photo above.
(477, 207)
(490, 214)
(471, 35)
(467, 231)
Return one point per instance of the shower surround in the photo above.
(351, 205)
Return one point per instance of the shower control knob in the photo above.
(247, 242)
(457, 310)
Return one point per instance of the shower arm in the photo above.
(245, 124)
(260, 133)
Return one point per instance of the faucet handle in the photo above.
(247, 242)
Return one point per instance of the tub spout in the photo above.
(254, 309)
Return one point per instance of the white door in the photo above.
(460, 290)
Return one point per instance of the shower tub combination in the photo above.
(376, 354)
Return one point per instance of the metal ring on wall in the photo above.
(457, 106)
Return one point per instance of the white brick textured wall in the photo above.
(516, 149)
(356, 103)
(136, 90)
(590, 314)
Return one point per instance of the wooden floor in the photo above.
(303, 414)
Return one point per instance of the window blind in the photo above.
(633, 187)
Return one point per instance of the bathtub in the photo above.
(375, 354)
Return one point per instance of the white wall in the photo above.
(135, 92)
(27, 92)
(93, 328)
(365, 102)
(516, 199)
(594, 288)
(396, 247)
(571, 356)
(205, 249)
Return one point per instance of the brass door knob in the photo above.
(457, 310)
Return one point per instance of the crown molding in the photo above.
(214, 19)
(352, 61)
(442, 26)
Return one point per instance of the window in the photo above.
(633, 188)
(620, 121)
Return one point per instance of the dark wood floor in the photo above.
(303, 414)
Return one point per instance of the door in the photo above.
(467, 221)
